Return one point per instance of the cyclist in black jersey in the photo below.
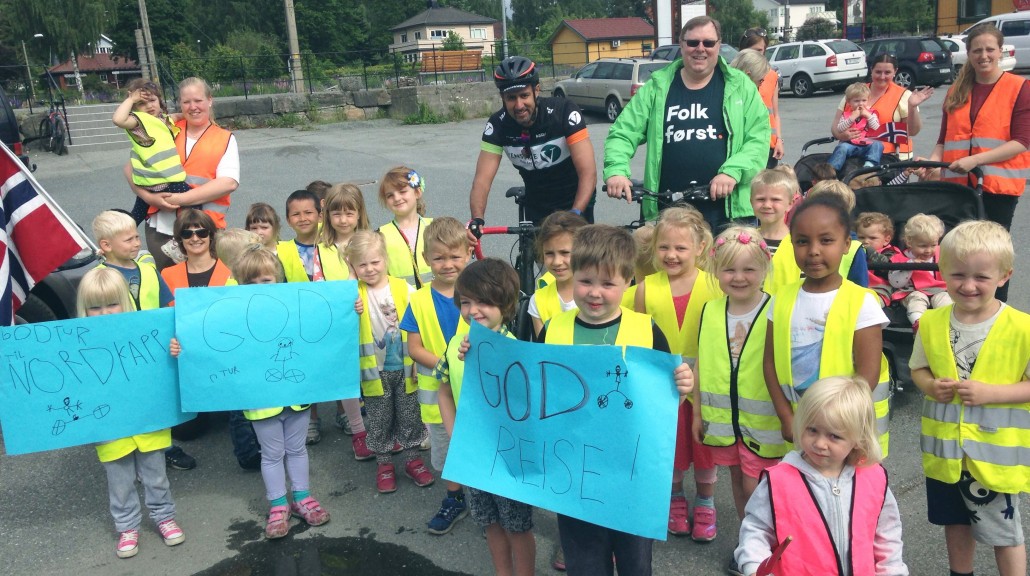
(547, 141)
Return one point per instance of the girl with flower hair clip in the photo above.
(401, 191)
(728, 370)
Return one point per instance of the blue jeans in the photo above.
(589, 549)
(872, 153)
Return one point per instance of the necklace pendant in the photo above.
(836, 490)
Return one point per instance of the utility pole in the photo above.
(504, 28)
(296, 71)
(151, 58)
(28, 72)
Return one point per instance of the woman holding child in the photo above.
(211, 159)
(891, 102)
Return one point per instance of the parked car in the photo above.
(606, 85)
(808, 66)
(672, 51)
(10, 133)
(1016, 28)
(922, 61)
(957, 45)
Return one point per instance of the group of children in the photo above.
(783, 376)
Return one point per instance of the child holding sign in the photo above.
(602, 266)
(488, 292)
(104, 291)
(830, 495)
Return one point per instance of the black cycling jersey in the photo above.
(541, 152)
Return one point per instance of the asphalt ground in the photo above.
(54, 504)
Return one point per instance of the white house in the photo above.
(784, 14)
(427, 31)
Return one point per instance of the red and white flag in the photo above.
(35, 236)
(893, 132)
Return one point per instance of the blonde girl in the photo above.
(263, 220)
(834, 479)
(281, 431)
(104, 291)
(730, 349)
(344, 214)
(674, 296)
(401, 191)
(554, 249)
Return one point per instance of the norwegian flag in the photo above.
(893, 132)
(35, 236)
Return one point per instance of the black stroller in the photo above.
(804, 166)
(952, 203)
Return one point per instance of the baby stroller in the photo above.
(803, 167)
(952, 203)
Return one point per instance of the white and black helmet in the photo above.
(514, 73)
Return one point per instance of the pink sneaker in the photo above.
(361, 451)
(170, 532)
(311, 511)
(278, 522)
(417, 471)
(397, 448)
(128, 543)
(679, 525)
(386, 479)
(704, 524)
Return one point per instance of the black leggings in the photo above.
(1001, 208)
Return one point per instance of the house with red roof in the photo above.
(110, 68)
(578, 42)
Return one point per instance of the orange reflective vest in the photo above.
(201, 166)
(812, 550)
(991, 130)
(885, 106)
(176, 276)
(767, 89)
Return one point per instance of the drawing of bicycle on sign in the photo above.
(73, 411)
(284, 353)
(602, 400)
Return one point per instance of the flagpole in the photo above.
(50, 200)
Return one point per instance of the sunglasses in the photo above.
(695, 43)
(201, 233)
(760, 32)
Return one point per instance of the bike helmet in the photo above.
(514, 73)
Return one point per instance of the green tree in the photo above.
(453, 42)
(262, 53)
(622, 8)
(223, 64)
(736, 16)
(817, 28)
(183, 62)
(899, 17)
(488, 8)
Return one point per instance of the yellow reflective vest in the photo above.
(401, 261)
(433, 340)
(149, 283)
(158, 163)
(289, 255)
(371, 383)
(146, 442)
(785, 268)
(837, 357)
(735, 402)
(658, 304)
(333, 265)
(262, 413)
(456, 366)
(548, 303)
(993, 440)
(634, 329)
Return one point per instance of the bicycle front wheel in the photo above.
(60, 133)
(46, 131)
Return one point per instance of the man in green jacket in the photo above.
(703, 121)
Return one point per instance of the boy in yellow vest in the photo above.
(602, 266)
(972, 361)
(431, 320)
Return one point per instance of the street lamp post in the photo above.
(28, 72)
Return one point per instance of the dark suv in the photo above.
(10, 134)
(922, 61)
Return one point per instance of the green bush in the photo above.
(425, 115)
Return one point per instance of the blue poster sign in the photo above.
(267, 345)
(74, 382)
(588, 432)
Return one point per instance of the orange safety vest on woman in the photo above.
(812, 551)
(767, 89)
(885, 107)
(201, 166)
(991, 129)
(177, 276)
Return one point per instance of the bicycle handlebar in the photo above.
(694, 193)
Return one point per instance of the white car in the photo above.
(805, 67)
(957, 45)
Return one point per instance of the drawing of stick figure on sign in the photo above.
(284, 353)
(602, 400)
(72, 412)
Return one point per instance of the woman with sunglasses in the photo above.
(769, 88)
(194, 233)
(891, 102)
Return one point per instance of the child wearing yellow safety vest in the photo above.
(430, 321)
(401, 192)
(674, 296)
(733, 414)
(602, 265)
(554, 249)
(823, 325)
(387, 378)
(119, 243)
(156, 166)
(971, 359)
(488, 292)
(104, 291)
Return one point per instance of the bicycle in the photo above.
(524, 260)
(54, 128)
(695, 193)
